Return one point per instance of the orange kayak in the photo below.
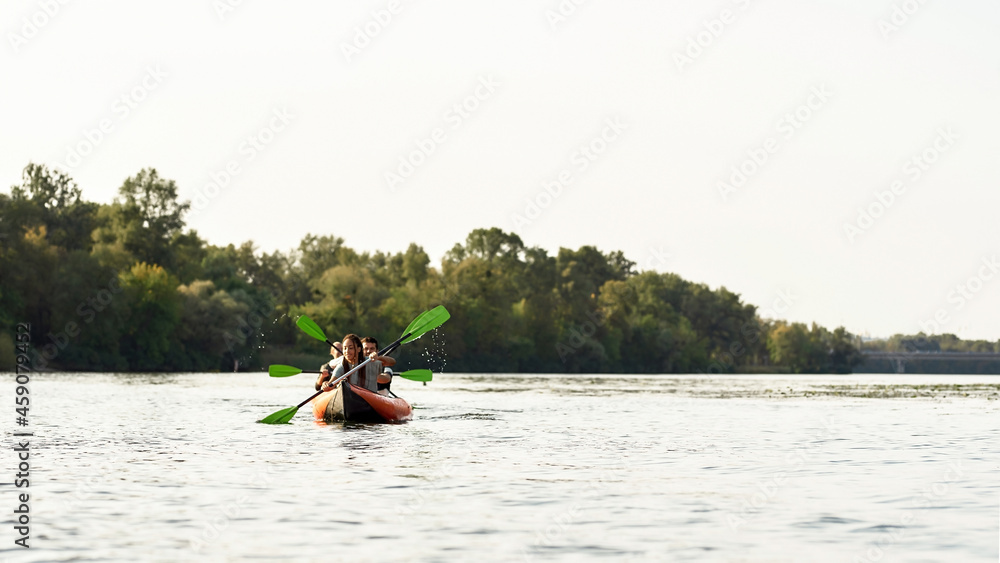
(356, 404)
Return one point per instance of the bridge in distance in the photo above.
(900, 359)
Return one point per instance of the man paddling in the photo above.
(370, 346)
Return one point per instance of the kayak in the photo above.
(356, 404)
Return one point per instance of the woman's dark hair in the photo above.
(357, 344)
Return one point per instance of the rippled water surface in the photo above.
(516, 467)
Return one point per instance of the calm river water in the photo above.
(515, 468)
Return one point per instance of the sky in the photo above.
(831, 162)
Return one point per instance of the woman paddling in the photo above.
(367, 377)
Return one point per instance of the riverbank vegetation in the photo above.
(125, 286)
(934, 354)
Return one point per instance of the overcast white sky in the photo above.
(689, 96)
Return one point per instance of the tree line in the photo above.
(928, 358)
(921, 343)
(126, 287)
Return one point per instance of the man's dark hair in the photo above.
(370, 339)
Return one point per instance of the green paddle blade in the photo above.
(427, 322)
(415, 322)
(416, 374)
(279, 370)
(311, 328)
(281, 417)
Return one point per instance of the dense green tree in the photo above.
(51, 199)
(537, 349)
(154, 312)
(187, 251)
(844, 356)
(89, 313)
(349, 301)
(479, 282)
(414, 265)
(213, 329)
(793, 346)
(42, 220)
(26, 283)
(647, 334)
(813, 350)
(317, 254)
(124, 286)
(145, 219)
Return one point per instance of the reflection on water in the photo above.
(511, 467)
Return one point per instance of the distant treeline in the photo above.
(920, 353)
(921, 343)
(125, 287)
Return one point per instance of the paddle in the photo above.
(312, 329)
(425, 322)
(278, 370)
